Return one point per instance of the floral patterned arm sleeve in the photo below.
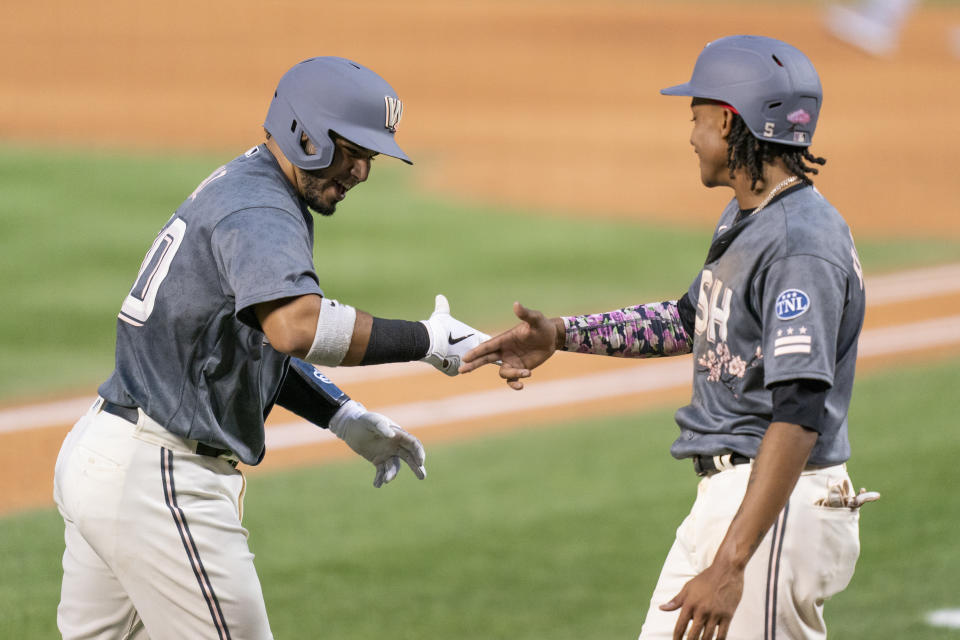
(644, 331)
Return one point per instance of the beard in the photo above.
(318, 207)
(313, 194)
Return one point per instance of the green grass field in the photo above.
(77, 225)
(534, 534)
(555, 533)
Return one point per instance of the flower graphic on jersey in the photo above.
(737, 367)
(722, 366)
(713, 364)
(798, 117)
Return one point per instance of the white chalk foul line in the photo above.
(948, 618)
(651, 375)
(913, 285)
(416, 416)
(909, 337)
(43, 415)
(883, 289)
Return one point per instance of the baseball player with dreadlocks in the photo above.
(772, 321)
(225, 319)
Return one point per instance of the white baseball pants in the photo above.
(808, 555)
(154, 544)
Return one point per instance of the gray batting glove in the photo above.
(449, 338)
(379, 440)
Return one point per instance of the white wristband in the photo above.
(334, 333)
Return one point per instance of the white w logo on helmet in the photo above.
(394, 112)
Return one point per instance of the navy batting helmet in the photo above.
(772, 85)
(320, 95)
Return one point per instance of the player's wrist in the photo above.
(732, 557)
(449, 338)
(345, 415)
(560, 339)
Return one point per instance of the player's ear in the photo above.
(726, 122)
(307, 145)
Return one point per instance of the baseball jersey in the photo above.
(190, 351)
(780, 298)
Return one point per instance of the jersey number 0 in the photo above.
(138, 305)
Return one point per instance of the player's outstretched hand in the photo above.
(379, 440)
(518, 350)
(449, 338)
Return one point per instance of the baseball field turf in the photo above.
(541, 524)
(549, 533)
(76, 226)
(537, 533)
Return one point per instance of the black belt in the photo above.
(704, 465)
(131, 415)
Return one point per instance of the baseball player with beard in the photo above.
(225, 319)
(772, 321)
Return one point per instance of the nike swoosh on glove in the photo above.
(449, 338)
(378, 439)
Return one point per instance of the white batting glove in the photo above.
(379, 440)
(449, 338)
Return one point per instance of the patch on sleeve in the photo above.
(792, 303)
(787, 342)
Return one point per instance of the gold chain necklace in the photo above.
(777, 189)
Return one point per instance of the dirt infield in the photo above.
(546, 105)
(568, 387)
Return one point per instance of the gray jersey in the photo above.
(780, 298)
(189, 349)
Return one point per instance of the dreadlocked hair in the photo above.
(746, 151)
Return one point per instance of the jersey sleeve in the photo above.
(263, 254)
(800, 300)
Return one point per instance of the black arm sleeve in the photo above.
(800, 402)
(688, 314)
(310, 394)
(396, 341)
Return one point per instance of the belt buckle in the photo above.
(213, 452)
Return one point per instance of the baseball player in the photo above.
(225, 319)
(772, 322)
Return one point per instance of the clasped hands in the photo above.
(520, 349)
(456, 347)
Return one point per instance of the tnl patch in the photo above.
(792, 303)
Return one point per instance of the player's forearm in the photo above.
(782, 456)
(291, 327)
(330, 333)
(643, 331)
(360, 339)
(310, 394)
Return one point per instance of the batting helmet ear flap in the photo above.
(323, 94)
(287, 129)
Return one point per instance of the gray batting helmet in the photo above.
(771, 84)
(320, 95)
